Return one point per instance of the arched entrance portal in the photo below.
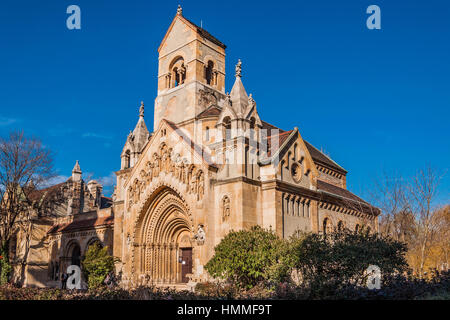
(74, 254)
(164, 236)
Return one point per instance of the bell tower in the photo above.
(191, 72)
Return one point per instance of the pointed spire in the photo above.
(180, 10)
(239, 69)
(76, 172)
(141, 110)
(140, 134)
(76, 168)
(238, 94)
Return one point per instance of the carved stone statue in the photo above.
(141, 109)
(201, 186)
(200, 236)
(239, 69)
(155, 166)
(225, 207)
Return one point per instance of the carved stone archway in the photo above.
(164, 227)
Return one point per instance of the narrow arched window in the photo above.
(209, 72)
(207, 134)
(340, 226)
(327, 226)
(127, 159)
(324, 225)
(177, 77)
(227, 128)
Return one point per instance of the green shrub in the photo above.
(248, 257)
(97, 264)
(327, 263)
(5, 266)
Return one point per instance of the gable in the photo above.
(169, 146)
(295, 165)
(180, 32)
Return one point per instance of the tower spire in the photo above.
(76, 172)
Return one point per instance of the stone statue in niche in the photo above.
(155, 166)
(226, 210)
(200, 236)
(149, 172)
(201, 186)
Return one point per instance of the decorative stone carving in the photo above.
(207, 98)
(226, 210)
(166, 162)
(296, 172)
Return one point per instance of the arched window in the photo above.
(227, 128)
(207, 134)
(127, 159)
(177, 73)
(340, 226)
(327, 226)
(74, 254)
(209, 72)
(357, 228)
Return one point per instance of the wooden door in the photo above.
(186, 263)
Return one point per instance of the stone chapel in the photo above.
(211, 165)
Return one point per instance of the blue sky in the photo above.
(372, 99)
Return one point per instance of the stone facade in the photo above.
(210, 165)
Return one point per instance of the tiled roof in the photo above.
(346, 198)
(209, 112)
(106, 202)
(282, 136)
(205, 34)
(323, 159)
(82, 224)
(317, 155)
(37, 195)
(330, 188)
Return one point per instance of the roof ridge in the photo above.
(206, 34)
(325, 155)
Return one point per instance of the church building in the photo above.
(211, 165)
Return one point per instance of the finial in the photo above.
(180, 10)
(251, 101)
(239, 69)
(76, 168)
(141, 110)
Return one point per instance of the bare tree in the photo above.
(391, 196)
(441, 241)
(24, 166)
(423, 191)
